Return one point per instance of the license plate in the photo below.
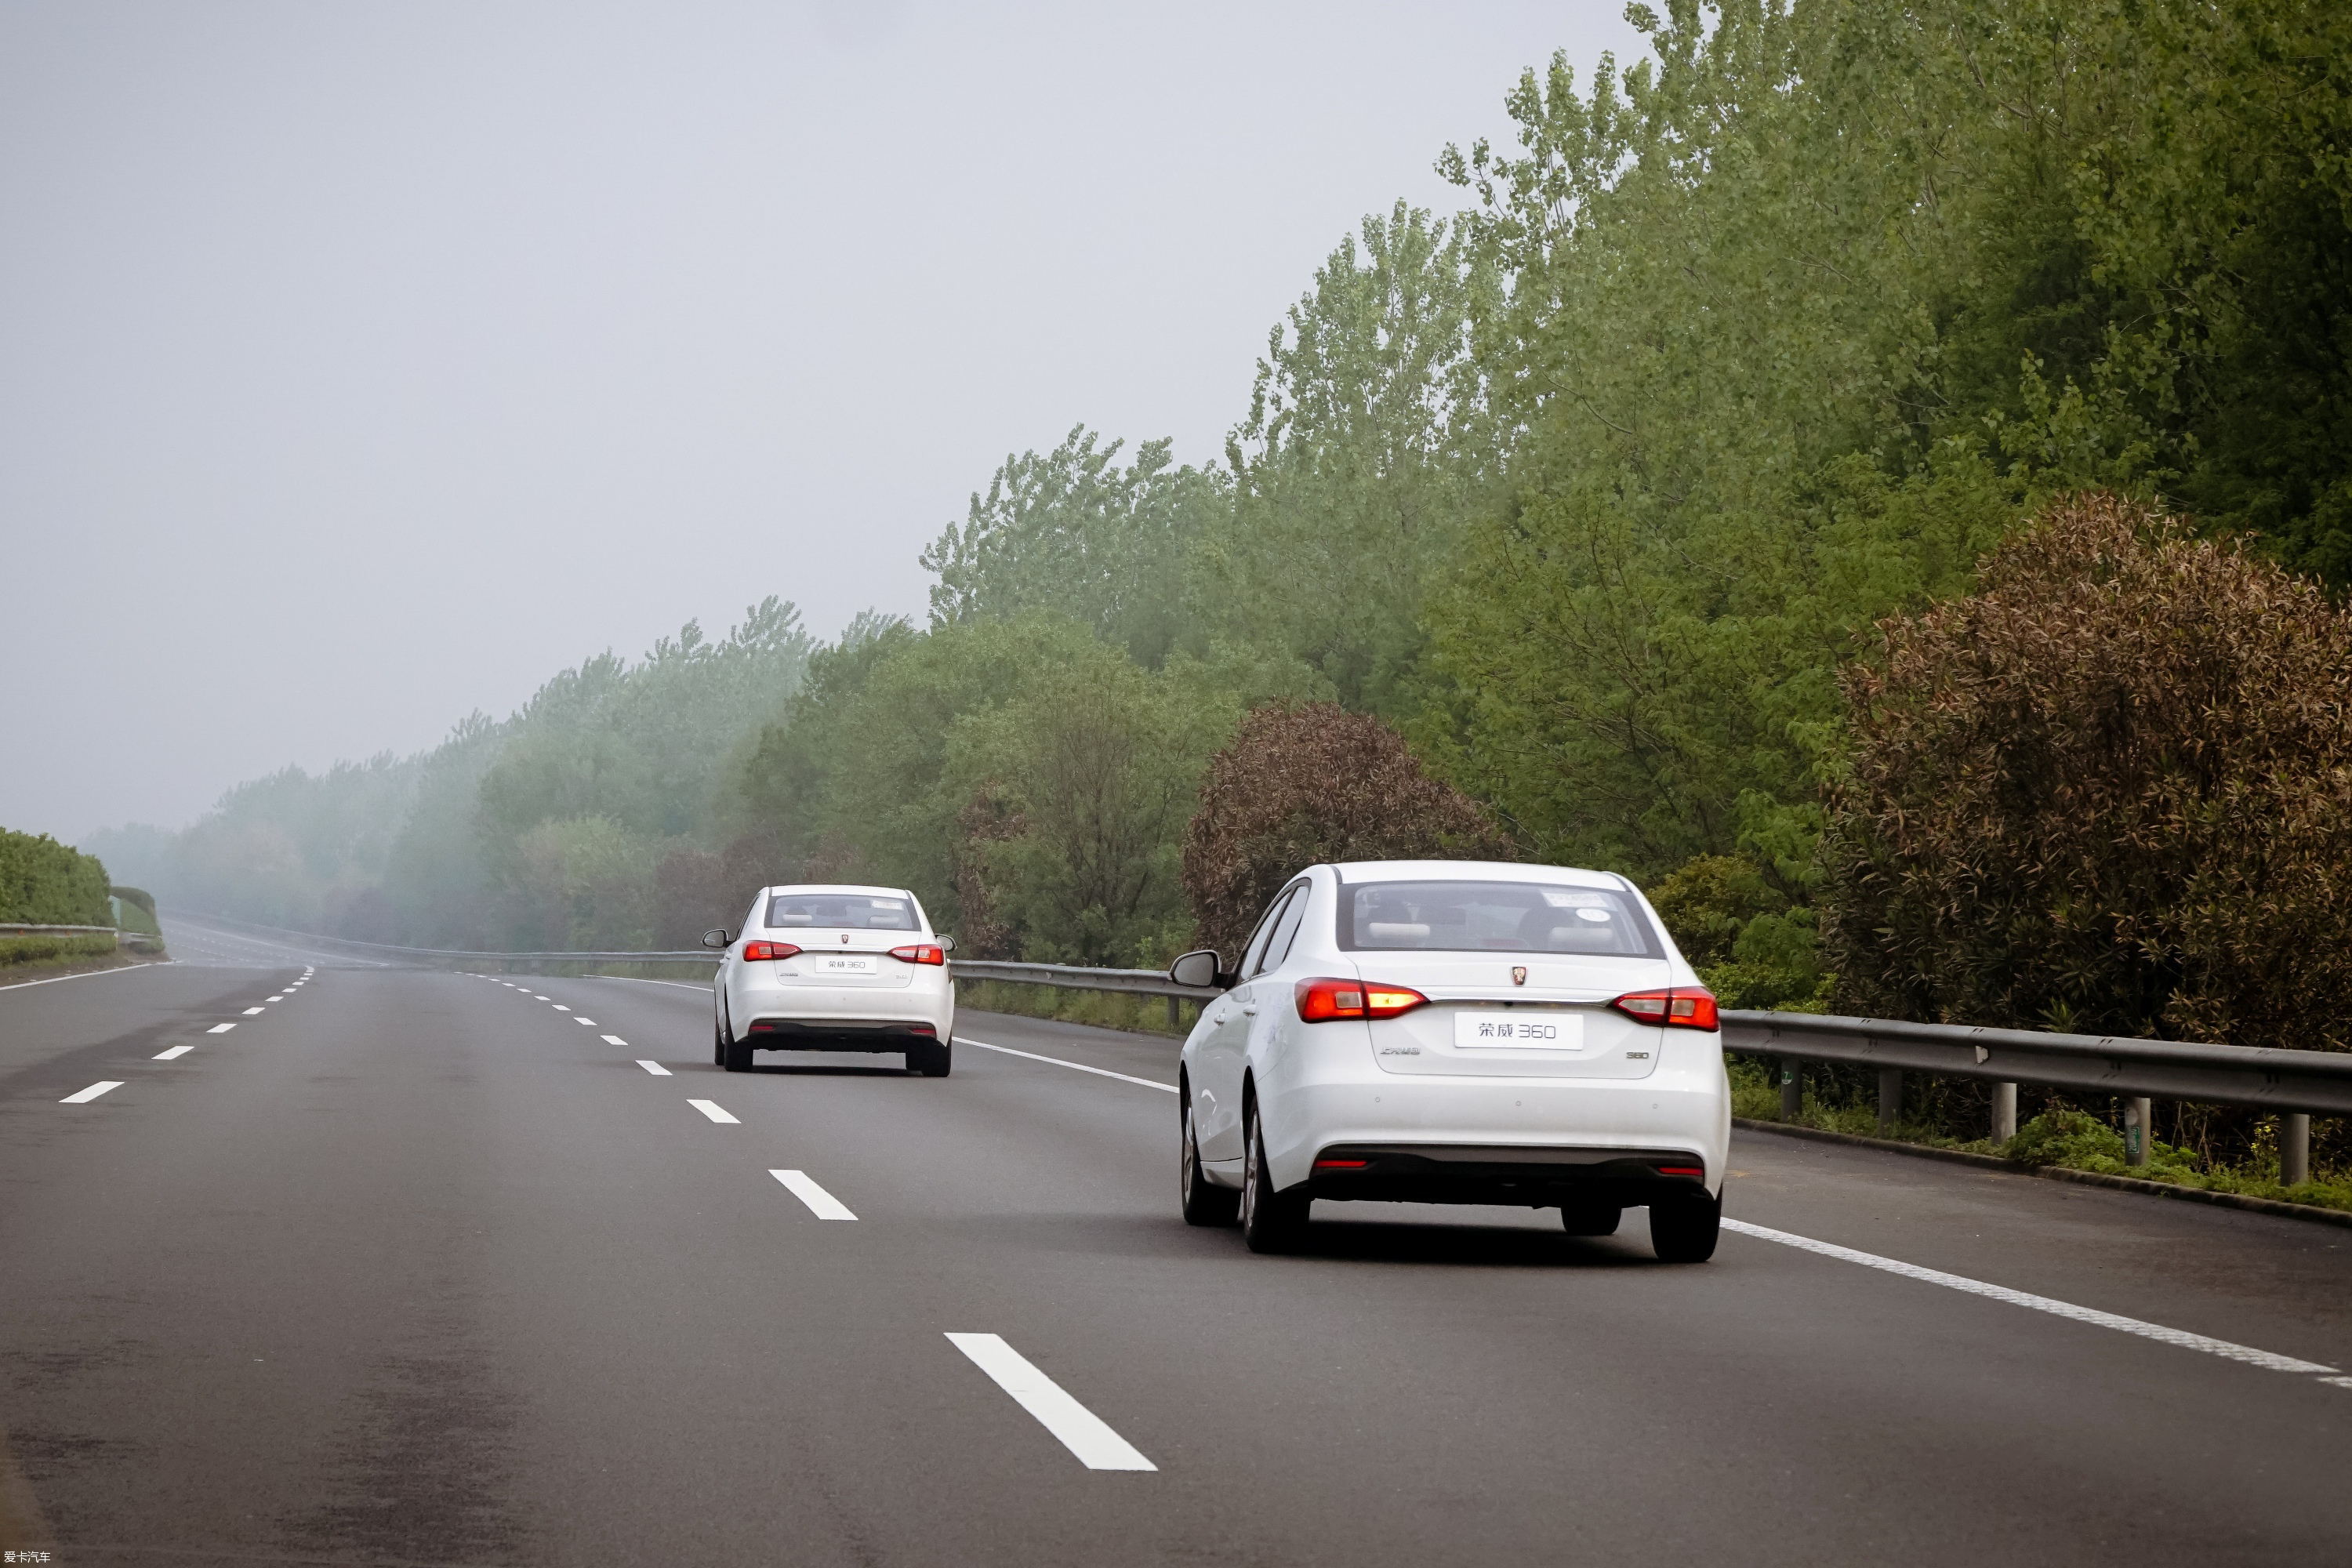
(1518, 1031)
(841, 963)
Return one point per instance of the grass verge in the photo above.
(2063, 1137)
(1102, 1009)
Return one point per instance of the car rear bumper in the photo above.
(1449, 1135)
(1537, 1176)
(839, 1034)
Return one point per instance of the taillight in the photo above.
(769, 950)
(922, 952)
(1320, 1001)
(1682, 1008)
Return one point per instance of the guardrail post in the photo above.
(1792, 1088)
(2004, 1112)
(2294, 1149)
(1171, 1015)
(1890, 1098)
(2135, 1131)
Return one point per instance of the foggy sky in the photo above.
(363, 365)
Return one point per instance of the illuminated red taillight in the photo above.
(1698, 1171)
(1682, 1008)
(1320, 1001)
(922, 952)
(769, 950)
(1341, 1164)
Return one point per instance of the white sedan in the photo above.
(1455, 1032)
(833, 968)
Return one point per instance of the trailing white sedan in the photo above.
(834, 969)
(1455, 1032)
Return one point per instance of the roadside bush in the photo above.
(1750, 940)
(1300, 786)
(136, 908)
(43, 882)
(2109, 792)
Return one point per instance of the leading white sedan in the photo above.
(1455, 1032)
(833, 968)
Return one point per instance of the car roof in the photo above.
(836, 888)
(1354, 871)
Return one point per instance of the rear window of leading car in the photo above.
(1493, 917)
(855, 912)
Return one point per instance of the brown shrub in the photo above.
(1301, 785)
(2110, 792)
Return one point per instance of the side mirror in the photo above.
(1203, 968)
(714, 938)
(947, 943)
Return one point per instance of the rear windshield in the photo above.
(857, 912)
(1493, 917)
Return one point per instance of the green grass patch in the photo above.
(19, 950)
(2062, 1137)
(1102, 1009)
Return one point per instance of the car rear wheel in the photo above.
(734, 1054)
(1683, 1230)
(717, 1041)
(1203, 1203)
(932, 1059)
(1271, 1221)
(1591, 1219)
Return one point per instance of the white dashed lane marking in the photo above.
(249, 1012)
(577, 1019)
(615, 1041)
(176, 1051)
(92, 1092)
(822, 1204)
(655, 1067)
(1081, 1431)
(220, 1028)
(712, 1109)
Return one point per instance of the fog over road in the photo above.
(411, 1266)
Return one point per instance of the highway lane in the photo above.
(414, 1267)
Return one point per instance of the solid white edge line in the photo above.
(1079, 1429)
(1080, 1066)
(641, 980)
(712, 1109)
(173, 1054)
(822, 1204)
(92, 1092)
(2091, 1315)
(90, 973)
(655, 1067)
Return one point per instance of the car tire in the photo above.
(1271, 1221)
(735, 1055)
(1683, 1230)
(1201, 1202)
(934, 1059)
(717, 1041)
(1591, 1219)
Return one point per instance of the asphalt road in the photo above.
(418, 1268)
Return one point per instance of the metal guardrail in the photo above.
(1076, 977)
(436, 956)
(122, 937)
(2291, 1084)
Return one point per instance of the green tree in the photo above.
(1072, 533)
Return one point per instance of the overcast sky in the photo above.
(363, 365)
